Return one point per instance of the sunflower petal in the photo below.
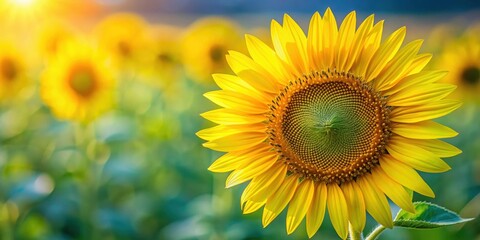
(385, 53)
(356, 205)
(236, 142)
(359, 40)
(220, 131)
(252, 169)
(405, 175)
(420, 78)
(299, 205)
(412, 114)
(314, 41)
(337, 210)
(265, 184)
(415, 156)
(296, 45)
(419, 62)
(279, 200)
(227, 116)
(420, 94)
(251, 206)
(392, 189)
(316, 212)
(238, 101)
(236, 84)
(345, 38)
(376, 202)
(233, 160)
(369, 47)
(423, 130)
(329, 40)
(437, 147)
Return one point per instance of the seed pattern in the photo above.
(329, 126)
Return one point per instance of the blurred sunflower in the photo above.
(334, 120)
(162, 64)
(205, 45)
(12, 71)
(124, 36)
(461, 57)
(52, 35)
(77, 84)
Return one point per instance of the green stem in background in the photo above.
(375, 233)
(354, 235)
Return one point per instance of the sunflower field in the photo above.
(183, 120)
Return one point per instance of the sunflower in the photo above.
(162, 64)
(461, 57)
(12, 71)
(77, 84)
(337, 120)
(123, 35)
(52, 35)
(205, 45)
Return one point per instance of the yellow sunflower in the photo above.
(205, 45)
(162, 63)
(461, 57)
(77, 84)
(13, 77)
(52, 35)
(334, 120)
(123, 35)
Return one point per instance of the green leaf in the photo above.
(427, 215)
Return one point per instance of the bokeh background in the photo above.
(135, 169)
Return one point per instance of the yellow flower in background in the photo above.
(461, 57)
(205, 45)
(123, 35)
(334, 120)
(162, 63)
(52, 35)
(77, 84)
(13, 69)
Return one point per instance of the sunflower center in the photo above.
(82, 80)
(217, 53)
(124, 49)
(471, 75)
(329, 127)
(8, 69)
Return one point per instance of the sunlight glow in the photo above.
(22, 3)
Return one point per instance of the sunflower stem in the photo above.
(354, 235)
(375, 233)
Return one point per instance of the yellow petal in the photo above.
(415, 156)
(405, 175)
(392, 189)
(236, 84)
(299, 205)
(314, 41)
(265, 184)
(420, 113)
(252, 73)
(220, 131)
(356, 205)
(277, 202)
(316, 212)
(437, 147)
(234, 160)
(238, 101)
(420, 78)
(369, 47)
(251, 206)
(420, 94)
(296, 46)
(236, 142)
(250, 170)
(375, 202)
(359, 41)
(329, 41)
(419, 62)
(268, 59)
(337, 210)
(227, 116)
(345, 38)
(423, 130)
(396, 68)
(385, 53)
